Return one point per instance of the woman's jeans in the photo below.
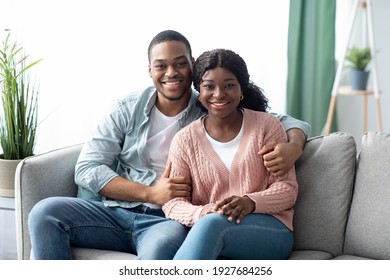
(258, 236)
(58, 223)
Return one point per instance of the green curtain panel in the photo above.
(311, 61)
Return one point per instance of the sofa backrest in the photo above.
(325, 174)
(39, 177)
(368, 228)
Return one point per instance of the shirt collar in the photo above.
(151, 94)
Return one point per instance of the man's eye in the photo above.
(181, 64)
(159, 66)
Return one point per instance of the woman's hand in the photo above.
(207, 209)
(235, 207)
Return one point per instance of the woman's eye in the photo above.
(159, 66)
(208, 87)
(229, 86)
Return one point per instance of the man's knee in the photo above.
(44, 211)
(162, 241)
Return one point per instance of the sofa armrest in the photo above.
(39, 177)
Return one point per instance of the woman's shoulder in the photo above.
(260, 116)
(189, 130)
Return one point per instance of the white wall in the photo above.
(96, 50)
(350, 109)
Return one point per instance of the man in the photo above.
(121, 172)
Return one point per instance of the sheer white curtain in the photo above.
(96, 50)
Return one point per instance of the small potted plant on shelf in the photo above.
(358, 59)
(18, 115)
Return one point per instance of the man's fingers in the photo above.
(179, 182)
(182, 194)
(267, 148)
(167, 170)
(278, 173)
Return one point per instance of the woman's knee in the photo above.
(210, 228)
(214, 222)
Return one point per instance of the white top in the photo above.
(161, 131)
(225, 150)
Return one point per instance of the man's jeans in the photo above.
(57, 223)
(258, 236)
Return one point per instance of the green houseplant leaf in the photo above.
(18, 119)
(358, 58)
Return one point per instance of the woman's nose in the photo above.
(218, 92)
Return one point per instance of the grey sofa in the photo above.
(342, 211)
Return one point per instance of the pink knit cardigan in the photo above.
(192, 156)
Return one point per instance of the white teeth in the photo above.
(172, 83)
(219, 104)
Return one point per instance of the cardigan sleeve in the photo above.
(180, 209)
(278, 197)
(183, 211)
(282, 191)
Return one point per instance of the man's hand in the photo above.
(164, 190)
(168, 188)
(235, 207)
(279, 158)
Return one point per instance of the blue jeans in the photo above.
(258, 236)
(58, 223)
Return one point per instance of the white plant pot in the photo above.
(7, 176)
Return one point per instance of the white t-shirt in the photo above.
(225, 150)
(161, 132)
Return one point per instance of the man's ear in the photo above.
(149, 71)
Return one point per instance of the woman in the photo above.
(238, 210)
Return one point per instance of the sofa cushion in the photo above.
(350, 258)
(310, 255)
(368, 228)
(325, 174)
(96, 254)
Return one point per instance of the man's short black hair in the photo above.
(166, 36)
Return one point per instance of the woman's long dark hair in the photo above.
(254, 97)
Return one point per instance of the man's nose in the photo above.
(171, 71)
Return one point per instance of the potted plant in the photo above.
(18, 117)
(358, 59)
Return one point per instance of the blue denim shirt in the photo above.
(118, 144)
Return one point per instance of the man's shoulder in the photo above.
(189, 130)
(140, 98)
(136, 96)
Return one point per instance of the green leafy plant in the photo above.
(358, 58)
(18, 119)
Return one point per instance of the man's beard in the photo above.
(173, 98)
